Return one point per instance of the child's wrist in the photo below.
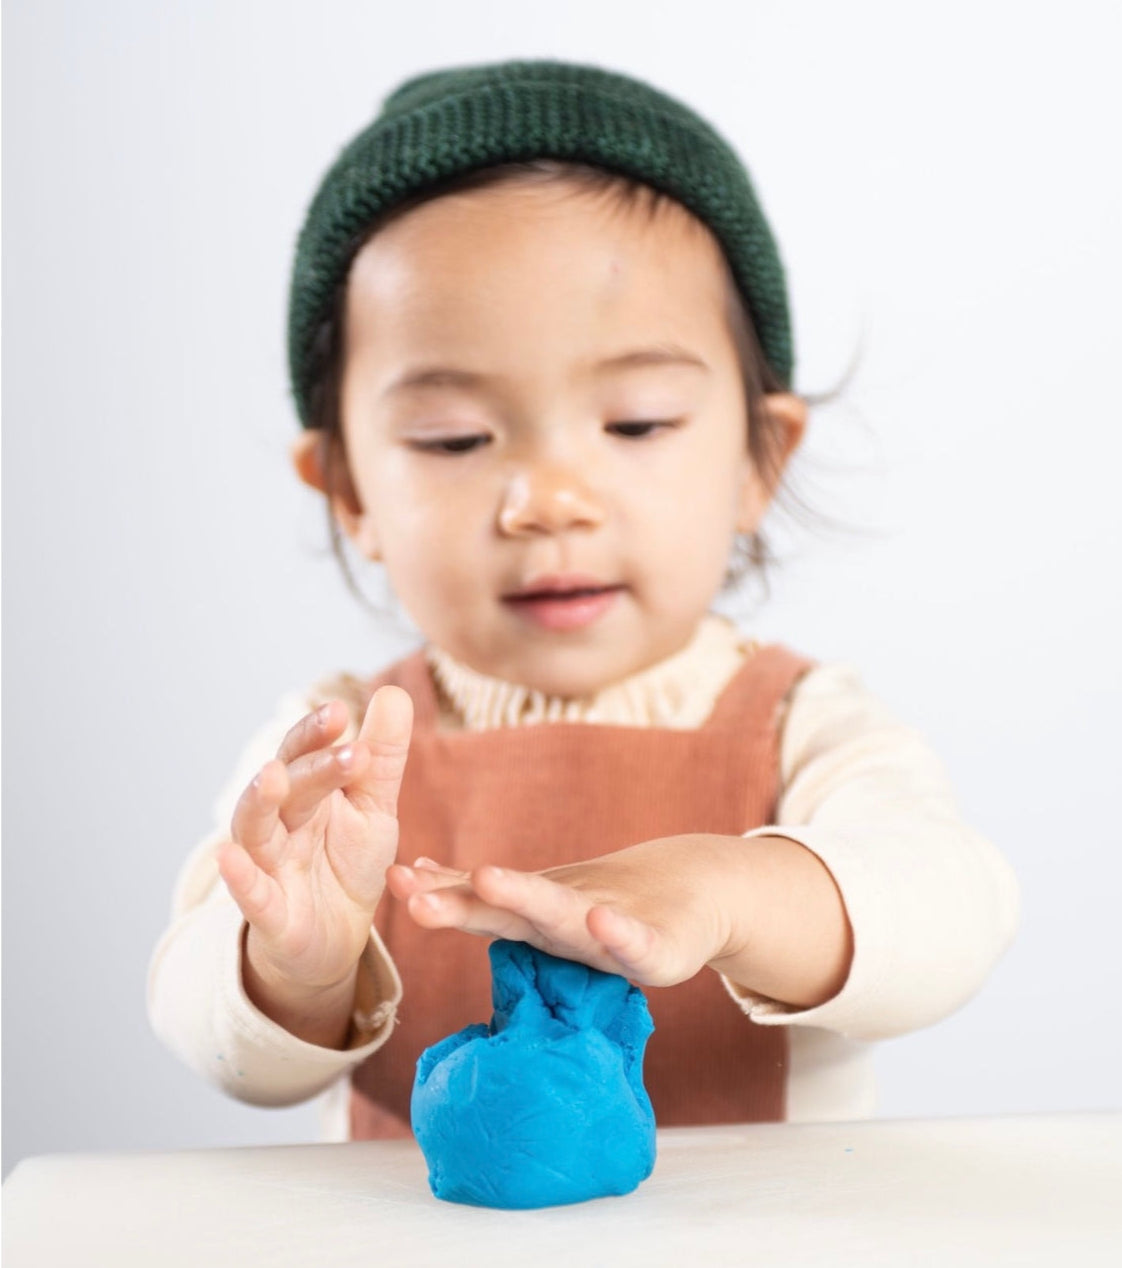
(317, 1013)
(788, 934)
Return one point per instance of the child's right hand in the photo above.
(311, 839)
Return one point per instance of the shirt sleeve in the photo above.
(931, 903)
(197, 1004)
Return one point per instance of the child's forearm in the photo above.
(788, 936)
(318, 1016)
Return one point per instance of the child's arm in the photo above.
(198, 1003)
(765, 912)
(930, 904)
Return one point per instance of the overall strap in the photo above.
(758, 691)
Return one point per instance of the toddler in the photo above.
(540, 347)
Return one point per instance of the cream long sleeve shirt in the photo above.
(932, 904)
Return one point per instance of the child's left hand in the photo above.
(764, 911)
(642, 912)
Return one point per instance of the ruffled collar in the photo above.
(678, 692)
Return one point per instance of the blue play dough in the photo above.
(546, 1105)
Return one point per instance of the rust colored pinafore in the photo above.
(542, 795)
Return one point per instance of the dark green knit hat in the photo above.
(447, 122)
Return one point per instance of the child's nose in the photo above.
(549, 498)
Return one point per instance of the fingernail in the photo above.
(422, 861)
(432, 901)
(321, 714)
(345, 756)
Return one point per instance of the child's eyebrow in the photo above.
(659, 354)
(435, 376)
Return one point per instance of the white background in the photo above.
(945, 186)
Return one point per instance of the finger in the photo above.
(317, 775)
(557, 911)
(404, 881)
(256, 814)
(461, 909)
(314, 731)
(257, 895)
(639, 949)
(567, 923)
(385, 732)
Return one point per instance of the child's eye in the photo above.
(636, 430)
(452, 444)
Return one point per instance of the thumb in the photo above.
(385, 732)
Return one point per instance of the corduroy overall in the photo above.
(544, 795)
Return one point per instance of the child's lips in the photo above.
(573, 608)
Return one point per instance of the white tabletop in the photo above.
(1039, 1189)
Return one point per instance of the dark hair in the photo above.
(766, 436)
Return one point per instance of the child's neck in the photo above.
(677, 692)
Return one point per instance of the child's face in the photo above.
(503, 347)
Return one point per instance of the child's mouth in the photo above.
(569, 608)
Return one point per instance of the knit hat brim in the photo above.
(446, 123)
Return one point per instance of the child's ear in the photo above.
(327, 473)
(787, 414)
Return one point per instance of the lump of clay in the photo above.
(546, 1105)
